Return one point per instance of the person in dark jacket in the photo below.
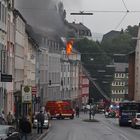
(24, 127)
(40, 122)
(77, 111)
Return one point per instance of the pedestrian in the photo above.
(10, 118)
(3, 115)
(77, 111)
(85, 110)
(40, 122)
(24, 128)
(93, 111)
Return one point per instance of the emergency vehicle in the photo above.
(60, 109)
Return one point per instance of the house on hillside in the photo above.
(110, 35)
(120, 83)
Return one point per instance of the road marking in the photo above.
(123, 137)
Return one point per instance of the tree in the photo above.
(94, 59)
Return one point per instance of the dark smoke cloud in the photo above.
(43, 14)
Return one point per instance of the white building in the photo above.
(19, 50)
(3, 51)
(75, 59)
(30, 60)
(65, 76)
(9, 107)
(54, 68)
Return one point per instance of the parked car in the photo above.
(135, 121)
(46, 122)
(9, 133)
(2, 121)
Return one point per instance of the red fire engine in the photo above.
(60, 109)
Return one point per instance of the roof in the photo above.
(110, 35)
(79, 26)
(29, 31)
(16, 12)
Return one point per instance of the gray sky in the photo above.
(99, 22)
(104, 22)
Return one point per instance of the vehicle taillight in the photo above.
(119, 113)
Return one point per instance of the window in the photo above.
(2, 8)
(5, 16)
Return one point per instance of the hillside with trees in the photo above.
(96, 56)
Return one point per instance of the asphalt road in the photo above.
(77, 129)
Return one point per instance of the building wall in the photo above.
(74, 59)
(119, 87)
(54, 73)
(85, 89)
(10, 61)
(65, 77)
(30, 62)
(19, 52)
(3, 46)
(131, 80)
(137, 70)
(43, 80)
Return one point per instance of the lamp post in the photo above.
(16, 97)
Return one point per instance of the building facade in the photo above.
(9, 107)
(137, 69)
(120, 82)
(84, 86)
(54, 68)
(65, 77)
(20, 25)
(75, 58)
(6, 55)
(131, 79)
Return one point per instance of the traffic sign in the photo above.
(26, 94)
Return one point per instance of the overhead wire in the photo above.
(124, 5)
(98, 11)
(123, 18)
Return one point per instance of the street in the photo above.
(105, 129)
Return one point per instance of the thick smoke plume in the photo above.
(47, 15)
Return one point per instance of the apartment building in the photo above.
(65, 89)
(84, 86)
(54, 67)
(75, 58)
(3, 53)
(20, 37)
(120, 82)
(9, 97)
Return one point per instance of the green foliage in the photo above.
(132, 30)
(94, 59)
(122, 44)
(95, 56)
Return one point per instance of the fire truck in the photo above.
(60, 109)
